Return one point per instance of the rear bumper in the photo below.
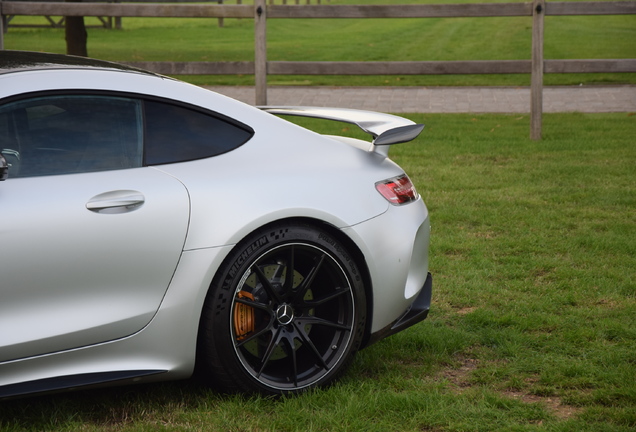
(417, 312)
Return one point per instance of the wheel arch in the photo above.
(351, 247)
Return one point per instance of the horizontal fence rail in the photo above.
(34, 8)
(146, 10)
(260, 12)
(473, 67)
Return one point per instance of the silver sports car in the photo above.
(151, 228)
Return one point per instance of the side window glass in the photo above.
(178, 134)
(53, 135)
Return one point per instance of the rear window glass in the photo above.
(176, 134)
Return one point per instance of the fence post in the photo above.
(260, 51)
(220, 20)
(2, 27)
(536, 87)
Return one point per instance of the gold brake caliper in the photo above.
(243, 317)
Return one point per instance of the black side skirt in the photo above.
(72, 382)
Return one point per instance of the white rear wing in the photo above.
(386, 129)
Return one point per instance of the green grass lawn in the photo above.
(193, 39)
(533, 321)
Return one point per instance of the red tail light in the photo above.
(397, 190)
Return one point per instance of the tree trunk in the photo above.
(76, 35)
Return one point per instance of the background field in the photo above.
(533, 323)
(172, 39)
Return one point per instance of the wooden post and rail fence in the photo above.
(260, 12)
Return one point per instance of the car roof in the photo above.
(18, 61)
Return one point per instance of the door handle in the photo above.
(114, 202)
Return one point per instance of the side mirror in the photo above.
(4, 168)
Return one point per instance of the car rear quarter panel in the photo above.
(266, 180)
(395, 247)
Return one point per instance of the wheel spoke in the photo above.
(270, 350)
(307, 341)
(302, 322)
(306, 284)
(267, 285)
(337, 293)
(290, 265)
(278, 273)
(294, 361)
(254, 304)
(256, 335)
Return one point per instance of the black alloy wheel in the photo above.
(287, 312)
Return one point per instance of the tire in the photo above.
(265, 332)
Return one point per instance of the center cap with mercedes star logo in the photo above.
(285, 314)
